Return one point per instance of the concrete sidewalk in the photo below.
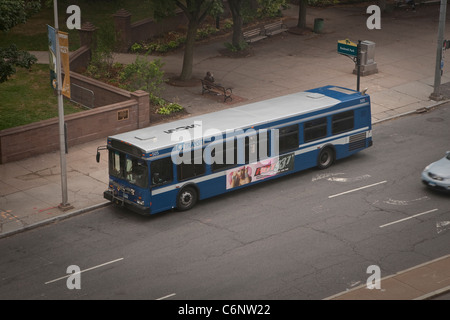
(422, 282)
(30, 190)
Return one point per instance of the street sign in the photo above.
(347, 47)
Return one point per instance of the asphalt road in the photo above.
(306, 236)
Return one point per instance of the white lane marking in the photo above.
(404, 219)
(404, 202)
(168, 296)
(89, 269)
(325, 175)
(357, 189)
(442, 226)
(366, 176)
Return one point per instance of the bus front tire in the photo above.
(325, 158)
(187, 198)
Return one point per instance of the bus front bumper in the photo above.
(126, 203)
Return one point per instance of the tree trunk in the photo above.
(188, 58)
(235, 8)
(302, 14)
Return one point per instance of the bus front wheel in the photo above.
(187, 198)
(326, 158)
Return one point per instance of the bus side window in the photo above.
(161, 171)
(195, 167)
(315, 129)
(343, 122)
(288, 138)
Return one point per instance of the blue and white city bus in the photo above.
(235, 148)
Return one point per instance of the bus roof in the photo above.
(257, 113)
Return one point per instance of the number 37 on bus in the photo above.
(173, 165)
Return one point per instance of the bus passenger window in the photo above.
(161, 171)
(315, 129)
(343, 122)
(195, 167)
(288, 138)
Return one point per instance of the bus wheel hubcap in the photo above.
(186, 198)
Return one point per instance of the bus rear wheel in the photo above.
(326, 158)
(187, 198)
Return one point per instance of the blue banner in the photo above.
(52, 54)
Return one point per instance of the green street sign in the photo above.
(347, 47)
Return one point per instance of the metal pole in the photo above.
(358, 64)
(64, 204)
(436, 95)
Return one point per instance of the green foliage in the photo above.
(157, 101)
(171, 41)
(10, 58)
(170, 108)
(270, 8)
(14, 12)
(143, 75)
(227, 24)
(101, 64)
(242, 46)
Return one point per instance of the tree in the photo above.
(302, 14)
(10, 58)
(266, 8)
(195, 11)
(236, 12)
(12, 13)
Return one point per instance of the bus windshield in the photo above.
(126, 167)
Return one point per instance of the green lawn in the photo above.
(27, 97)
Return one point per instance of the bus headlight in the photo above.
(140, 202)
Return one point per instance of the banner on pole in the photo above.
(52, 55)
(64, 49)
(63, 38)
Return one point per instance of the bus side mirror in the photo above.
(97, 156)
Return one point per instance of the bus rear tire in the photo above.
(187, 198)
(325, 158)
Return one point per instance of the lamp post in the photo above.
(64, 203)
(436, 95)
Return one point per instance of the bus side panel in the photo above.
(213, 187)
(306, 160)
(163, 200)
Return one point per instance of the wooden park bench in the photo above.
(275, 28)
(214, 88)
(254, 35)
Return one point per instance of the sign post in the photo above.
(353, 51)
(64, 203)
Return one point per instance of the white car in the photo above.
(437, 174)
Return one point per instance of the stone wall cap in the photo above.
(88, 26)
(122, 13)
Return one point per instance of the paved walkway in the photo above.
(30, 190)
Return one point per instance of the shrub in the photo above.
(170, 108)
(143, 75)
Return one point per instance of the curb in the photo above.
(421, 110)
(54, 219)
